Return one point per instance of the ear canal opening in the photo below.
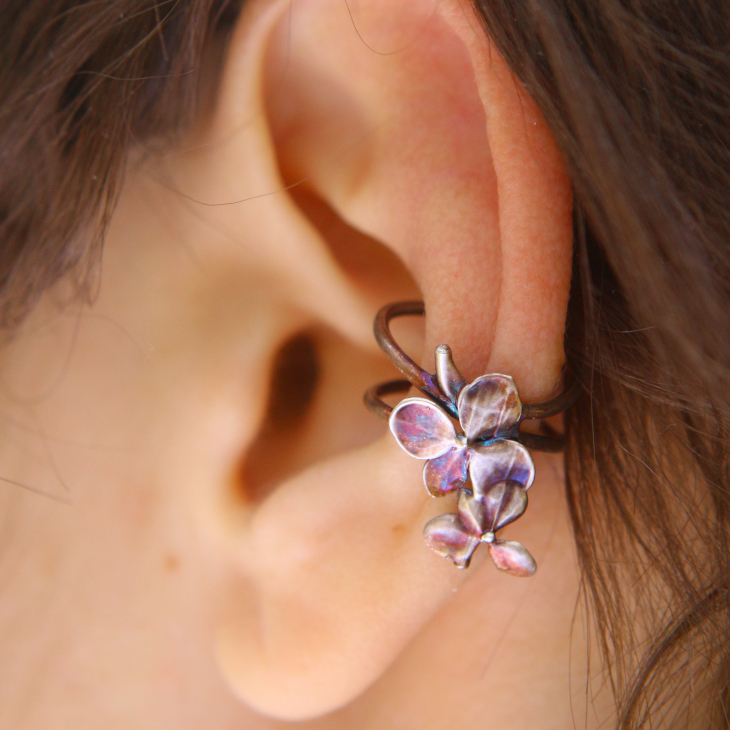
(317, 377)
(295, 375)
(314, 409)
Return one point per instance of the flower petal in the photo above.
(447, 473)
(422, 429)
(513, 558)
(503, 503)
(473, 514)
(446, 536)
(489, 407)
(500, 461)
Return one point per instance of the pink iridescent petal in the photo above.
(422, 429)
(448, 537)
(500, 461)
(473, 514)
(503, 503)
(513, 558)
(489, 407)
(447, 473)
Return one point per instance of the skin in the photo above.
(144, 588)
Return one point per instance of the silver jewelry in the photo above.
(488, 463)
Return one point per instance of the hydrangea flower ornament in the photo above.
(499, 469)
(486, 461)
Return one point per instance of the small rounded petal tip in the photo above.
(513, 558)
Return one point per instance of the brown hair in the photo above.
(80, 83)
(637, 94)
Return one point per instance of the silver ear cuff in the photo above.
(486, 461)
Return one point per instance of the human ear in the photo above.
(404, 122)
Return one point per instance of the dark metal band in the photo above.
(416, 376)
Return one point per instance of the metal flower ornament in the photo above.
(499, 470)
(486, 461)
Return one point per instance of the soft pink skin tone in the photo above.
(157, 597)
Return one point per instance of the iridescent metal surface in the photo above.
(499, 469)
(499, 461)
(422, 429)
(447, 536)
(502, 504)
(450, 380)
(447, 473)
(490, 407)
(513, 557)
(457, 536)
(488, 463)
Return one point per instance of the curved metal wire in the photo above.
(373, 396)
(416, 375)
(427, 383)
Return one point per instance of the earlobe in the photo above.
(429, 146)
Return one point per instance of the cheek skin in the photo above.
(102, 595)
